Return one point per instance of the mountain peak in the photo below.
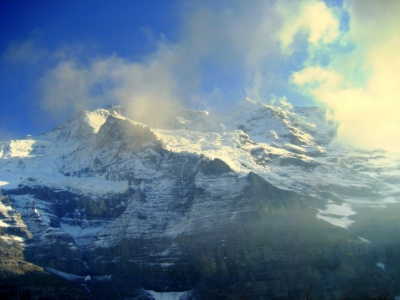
(246, 103)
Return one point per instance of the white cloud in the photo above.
(144, 88)
(65, 88)
(312, 18)
(317, 76)
(360, 87)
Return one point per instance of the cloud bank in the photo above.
(342, 54)
(360, 87)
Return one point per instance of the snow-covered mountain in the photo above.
(257, 202)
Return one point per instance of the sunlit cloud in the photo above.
(360, 87)
(312, 18)
(144, 88)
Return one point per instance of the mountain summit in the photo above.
(256, 203)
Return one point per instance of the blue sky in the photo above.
(126, 28)
(59, 57)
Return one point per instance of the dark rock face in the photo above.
(272, 247)
(123, 135)
(19, 277)
(214, 167)
(40, 285)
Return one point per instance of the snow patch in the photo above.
(83, 234)
(337, 215)
(11, 238)
(67, 276)
(169, 295)
(295, 148)
(364, 240)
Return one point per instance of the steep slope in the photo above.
(256, 203)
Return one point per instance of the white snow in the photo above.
(340, 222)
(45, 171)
(337, 214)
(252, 137)
(96, 119)
(364, 240)
(168, 295)
(380, 265)
(84, 234)
(339, 210)
(11, 238)
(10, 218)
(4, 215)
(67, 276)
(295, 147)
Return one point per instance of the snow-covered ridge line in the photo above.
(287, 146)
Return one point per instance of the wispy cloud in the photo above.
(234, 36)
(215, 41)
(145, 88)
(26, 51)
